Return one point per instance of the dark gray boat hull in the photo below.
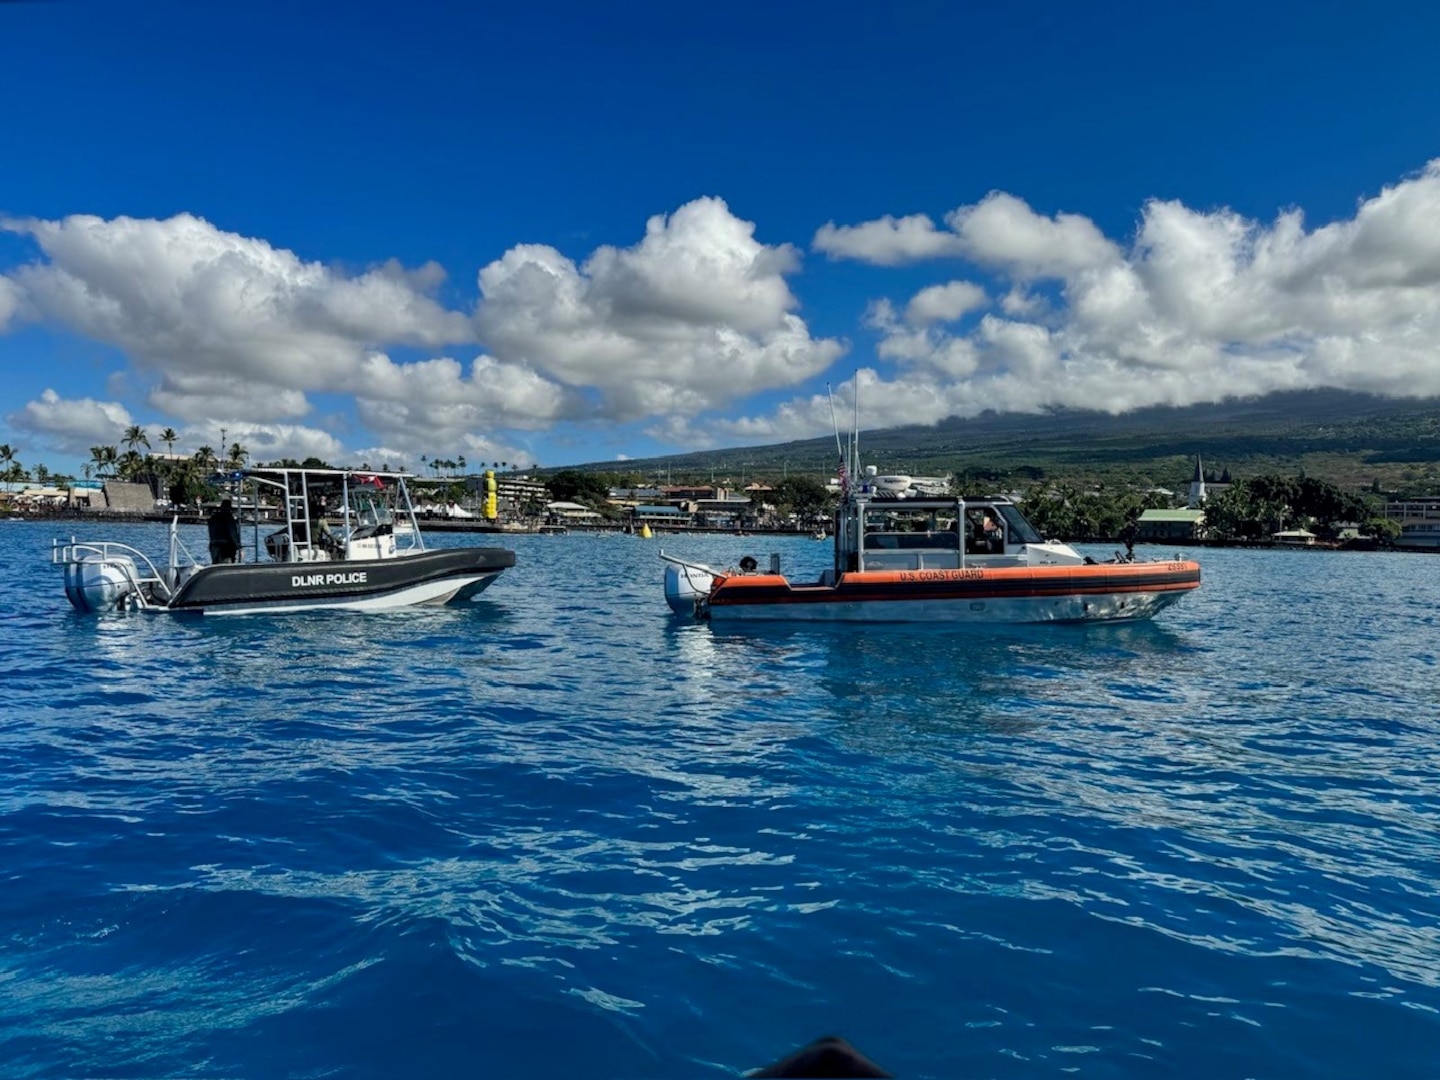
(449, 575)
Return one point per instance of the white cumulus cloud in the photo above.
(887, 241)
(10, 297)
(223, 328)
(73, 425)
(945, 303)
(696, 315)
(1200, 305)
(182, 296)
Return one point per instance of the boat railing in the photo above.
(178, 548)
(128, 560)
(63, 554)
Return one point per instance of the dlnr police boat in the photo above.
(287, 557)
(926, 559)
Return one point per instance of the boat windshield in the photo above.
(1020, 530)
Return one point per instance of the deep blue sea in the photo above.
(561, 834)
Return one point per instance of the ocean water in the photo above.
(561, 834)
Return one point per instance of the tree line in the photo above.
(1247, 510)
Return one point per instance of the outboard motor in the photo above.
(97, 583)
(686, 587)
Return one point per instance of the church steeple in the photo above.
(1197, 485)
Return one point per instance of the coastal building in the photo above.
(513, 493)
(665, 515)
(571, 513)
(1170, 525)
(127, 498)
(1295, 538)
(1419, 522)
(721, 512)
(41, 498)
(678, 493)
(629, 498)
(1201, 488)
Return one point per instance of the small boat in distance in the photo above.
(374, 559)
(928, 559)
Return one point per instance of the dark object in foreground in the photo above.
(827, 1056)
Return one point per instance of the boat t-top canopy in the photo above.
(369, 501)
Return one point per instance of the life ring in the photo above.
(748, 564)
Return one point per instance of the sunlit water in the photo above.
(560, 834)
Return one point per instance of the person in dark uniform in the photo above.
(224, 535)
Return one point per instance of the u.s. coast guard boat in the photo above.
(375, 559)
(928, 559)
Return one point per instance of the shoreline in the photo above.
(450, 525)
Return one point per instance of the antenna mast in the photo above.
(839, 450)
(855, 427)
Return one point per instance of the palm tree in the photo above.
(11, 471)
(205, 458)
(238, 454)
(104, 458)
(185, 481)
(135, 436)
(169, 437)
(130, 465)
(461, 462)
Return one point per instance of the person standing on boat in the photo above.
(224, 535)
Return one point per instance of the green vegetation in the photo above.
(1355, 441)
(803, 496)
(1254, 509)
(1082, 475)
(1062, 511)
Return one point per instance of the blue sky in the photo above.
(562, 233)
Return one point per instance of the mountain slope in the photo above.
(1348, 438)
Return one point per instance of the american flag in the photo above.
(844, 478)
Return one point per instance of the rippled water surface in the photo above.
(559, 834)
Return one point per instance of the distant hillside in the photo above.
(1347, 438)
